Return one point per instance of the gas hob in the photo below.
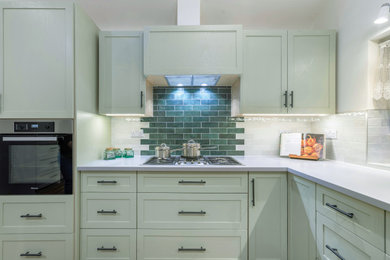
(201, 161)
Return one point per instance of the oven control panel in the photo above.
(32, 127)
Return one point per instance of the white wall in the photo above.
(354, 20)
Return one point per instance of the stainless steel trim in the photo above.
(29, 138)
(61, 126)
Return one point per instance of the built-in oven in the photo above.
(36, 157)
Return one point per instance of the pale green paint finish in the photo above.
(36, 60)
(219, 244)
(264, 78)
(387, 232)
(368, 221)
(57, 214)
(121, 74)
(268, 217)
(205, 49)
(124, 182)
(52, 246)
(222, 211)
(124, 240)
(311, 71)
(347, 244)
(301, 219)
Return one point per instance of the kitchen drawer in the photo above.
(106, 244)
(192, 211)
(105, 210)
(48, 246)
(108, 182)
(367, 222)
(200, 182)
(36, 214)
(194, 244)
(335, 242)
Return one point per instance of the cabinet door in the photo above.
(301, 219)
(268, 216)
(206, 49)
(121, 79)
(311, 71)
(388, 232)
(36, 60)
(264, 77)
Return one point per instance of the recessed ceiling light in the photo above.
(383, 15)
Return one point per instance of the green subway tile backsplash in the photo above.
(199, 113)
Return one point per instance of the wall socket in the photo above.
(331, 133)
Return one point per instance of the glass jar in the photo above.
(109, 154)
(128, 153)
(118, 153)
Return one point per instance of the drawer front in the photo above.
(367, 221)
(194, 244)
(36, 214)
(104, 210)
(193, 182)
(335, 242)
(108, 182)
(192, 211)
(108, 244)
(50, 247)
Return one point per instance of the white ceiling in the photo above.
(135, 14)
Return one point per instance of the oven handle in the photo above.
(29, 139)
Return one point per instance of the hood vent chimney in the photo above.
(188, 12)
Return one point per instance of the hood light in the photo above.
(192, 80)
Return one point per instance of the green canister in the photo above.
(128, 153)
(109, 154)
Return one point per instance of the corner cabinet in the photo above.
(121, 79)
(288, 72)
(36, 59)
(206, 49)
(268, 216)
(301, 219)
(311, 72)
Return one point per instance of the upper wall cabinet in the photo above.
(36, 60)
(193, 50)
(311, 72)
(264, 80)
(121, 78)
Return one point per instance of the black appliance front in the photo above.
(34, 163)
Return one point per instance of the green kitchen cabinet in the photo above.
(121, 79)
(267, 216)
(206, 49)
(301, 219)
(36, 59)
(311, 72)
(264, 81)
(387, 232)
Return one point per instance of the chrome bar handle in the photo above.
(107, 182)
(182, 212)
(334, 207)
(107, 211)
(182, 249)
(192, 182)
(31, 216)
(253, 192)
(335, 252)
(102, 248)
(28, 254)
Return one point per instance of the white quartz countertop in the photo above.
(367, 184)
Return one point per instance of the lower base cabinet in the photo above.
(108, 244)
(191, 244)
(335, 242)
(267, 216)
(36, 246)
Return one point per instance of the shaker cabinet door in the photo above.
(121, 79)
(267, 216)
(311, 72)
(36, 60)
(264, 78)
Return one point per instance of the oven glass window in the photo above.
(34, 164)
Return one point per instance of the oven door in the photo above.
(35, 164)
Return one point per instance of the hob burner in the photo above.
(201, 161)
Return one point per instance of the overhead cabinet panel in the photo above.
(193, 50)
(36, 60)
(264, 79)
